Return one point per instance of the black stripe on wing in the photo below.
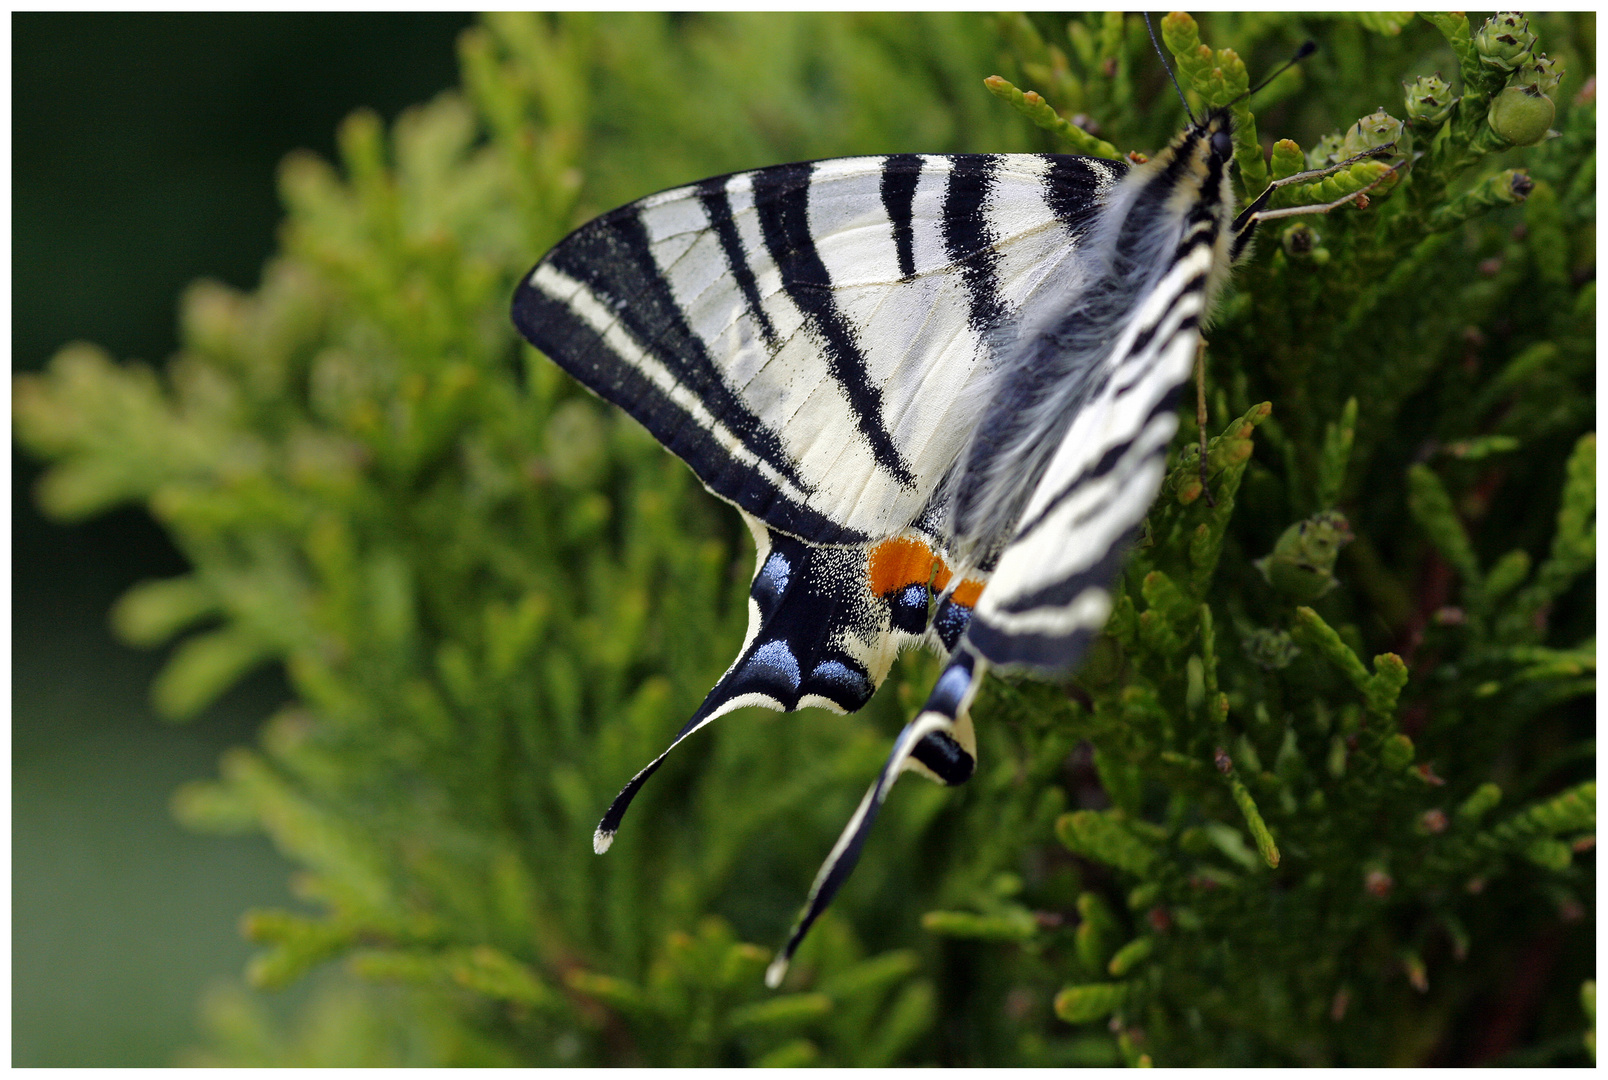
(557, 329)
(717, 205)
(1060, 593)
(900, 175)
(1075, 187)
(1044, 652)
(782, 197)
(969, 239)
(613, 258)
(1143, 338)
(1107, 462)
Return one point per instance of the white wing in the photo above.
(808, 337)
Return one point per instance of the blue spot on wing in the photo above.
(771, 667)
(771, 582)
(950, 621)
(808, 599)
(841, 683)
(908, 608)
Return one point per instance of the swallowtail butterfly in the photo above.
(939, 388)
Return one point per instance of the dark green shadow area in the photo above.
(144, 150)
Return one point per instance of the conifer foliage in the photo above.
(1320, 795)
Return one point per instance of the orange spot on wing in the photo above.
(904, 561)
(967, 592)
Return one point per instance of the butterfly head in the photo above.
(1215, 130)
(1217, 126)
(1204, 150)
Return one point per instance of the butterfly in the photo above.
(939, 389)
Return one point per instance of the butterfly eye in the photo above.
(1222, 145)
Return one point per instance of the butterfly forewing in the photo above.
(810, 338)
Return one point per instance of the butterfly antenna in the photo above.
(1307, 49)
(1168, 66)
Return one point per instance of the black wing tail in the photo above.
(938, 743)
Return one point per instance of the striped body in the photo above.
(939, 388)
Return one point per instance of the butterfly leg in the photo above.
(1245, 224)
(937, 743)
(1323, 208)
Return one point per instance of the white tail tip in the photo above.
(601, 841)
(776, 972)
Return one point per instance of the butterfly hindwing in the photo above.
(824, 626)
(1050, 593)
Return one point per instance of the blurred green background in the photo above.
(144, 157)
(144, 150)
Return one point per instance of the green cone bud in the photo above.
(1180, 32)
(1521, 115)
(1374, 130)
(1542, 74)
(1396, 753)
(1429, 102)
(1301, 565)
(1299, 240)
(1327, 152)
(1505, 41)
